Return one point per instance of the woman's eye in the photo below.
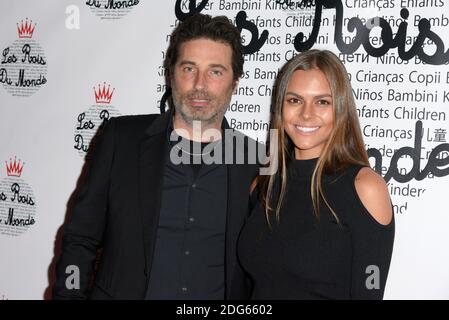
(293, 100)
(324, 102)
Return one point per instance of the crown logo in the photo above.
(103, 95)
(14, 169)
(26, 29)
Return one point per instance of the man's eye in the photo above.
(187, 69)
(216, 72)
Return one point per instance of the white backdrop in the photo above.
(67, 64)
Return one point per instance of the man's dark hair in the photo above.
(199, 26)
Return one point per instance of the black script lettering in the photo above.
(104, 115)
(121, 4)
(299, 38)
(22, 82)
(439, 56)
(80, 143)
(362, 36)
(193, 8)
(15, 188)
(10, 59)
(438, 166)
(290, 4)
(241, 22)
(94, 3)
(4, 77)
(436, 161)
(163, 101)
(3, 197)
(18, 222)
(400, 39)
(84, 125)
(26, 50)
(256, 43)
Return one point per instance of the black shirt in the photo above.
(302, 257)
(189, 254)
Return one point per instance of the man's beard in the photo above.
(208, 115)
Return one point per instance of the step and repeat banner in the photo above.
(67, 66)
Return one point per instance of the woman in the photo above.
(322, 226)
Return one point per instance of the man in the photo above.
(167, 229)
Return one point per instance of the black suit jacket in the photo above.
(117, 209)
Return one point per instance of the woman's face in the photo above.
(308, 112)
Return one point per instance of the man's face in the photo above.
(202, 81)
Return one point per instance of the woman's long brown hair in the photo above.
(344, 147)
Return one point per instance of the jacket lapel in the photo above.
(153, 150)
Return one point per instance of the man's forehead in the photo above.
(205, 51)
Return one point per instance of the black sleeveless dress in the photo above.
(302, 257)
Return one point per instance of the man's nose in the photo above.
(200, 80)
